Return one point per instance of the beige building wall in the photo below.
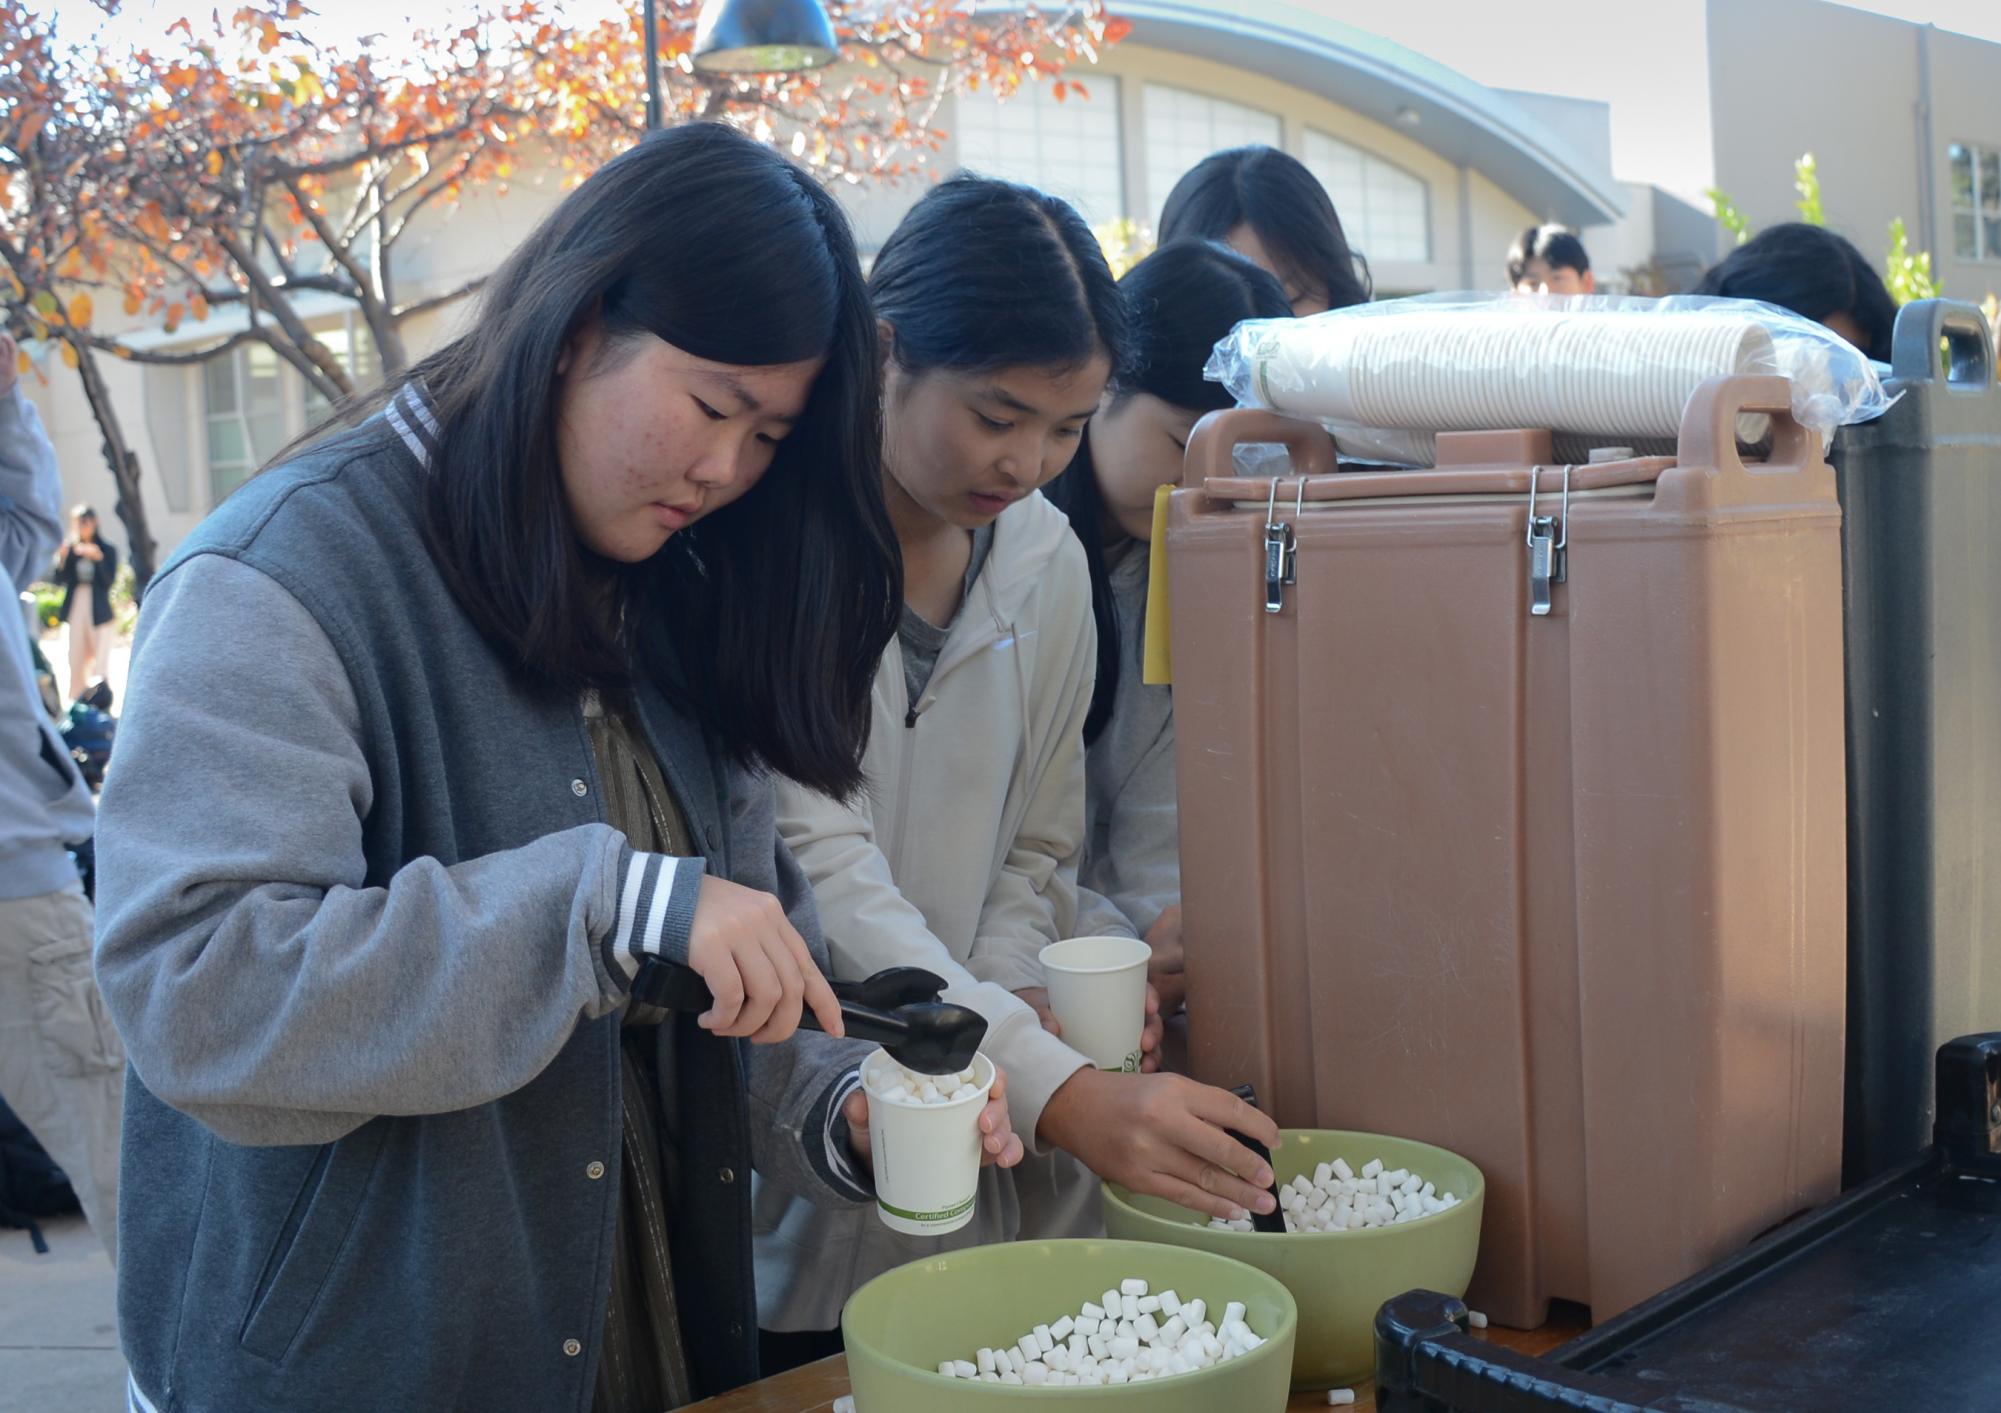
(1794, 76)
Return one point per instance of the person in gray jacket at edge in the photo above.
(60, 1063)
(376, 876)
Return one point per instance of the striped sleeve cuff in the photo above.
(827, 1130)
(656, 910)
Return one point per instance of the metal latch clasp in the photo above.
(1548, 539)
(1281, 546)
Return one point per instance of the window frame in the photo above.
(1984, 208)
(1362, 240)
(1103, 94)
(1156, 201)
(294, 398)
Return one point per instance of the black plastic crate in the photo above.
(1887, 1298)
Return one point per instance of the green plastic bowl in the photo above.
(1340, 1279)
(902, 1324)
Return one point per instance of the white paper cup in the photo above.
(1097, 987)
(927, 1156)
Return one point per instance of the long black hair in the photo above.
(1813, 272)
(984, 274)
(1276, 196)
(778, 605)
(1180, 302)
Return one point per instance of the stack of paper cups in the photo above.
(1479, 370)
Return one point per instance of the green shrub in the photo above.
(48, 604)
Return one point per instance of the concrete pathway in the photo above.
(58, 1327)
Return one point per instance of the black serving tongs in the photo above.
(897, 1008)
(1275, 1220)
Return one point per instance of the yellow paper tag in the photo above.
(1157, 664)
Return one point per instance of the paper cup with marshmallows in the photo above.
(1097, 987)
(925, 1138)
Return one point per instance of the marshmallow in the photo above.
(1086, 1350)
(1333, 1199)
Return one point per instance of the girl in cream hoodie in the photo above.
(1001, 327)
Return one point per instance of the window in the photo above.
(353, 347)
(1183, 127)
(1385, 211)
(255, 403)
(246, 416)
(1070, 147)
(1976, 202)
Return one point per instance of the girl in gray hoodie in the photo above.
(1002, 326)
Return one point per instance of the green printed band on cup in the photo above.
(945, 1214)
(1129, 1066)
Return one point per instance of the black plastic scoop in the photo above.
(897, 1008)
(1275, 1222)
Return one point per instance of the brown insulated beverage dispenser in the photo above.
(1512, 821)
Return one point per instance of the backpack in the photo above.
(88, 732)
(31, 1185)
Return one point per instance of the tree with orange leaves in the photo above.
(47, 250)
(219, 179)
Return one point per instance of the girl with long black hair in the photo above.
(1001, 328)
(378, 874)
(1266, 205)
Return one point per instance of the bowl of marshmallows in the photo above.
(1034, 1323)
(1368, 1217)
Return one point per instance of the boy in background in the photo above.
(1549, 260)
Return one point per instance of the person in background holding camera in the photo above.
(61, 1066)
(86, 568)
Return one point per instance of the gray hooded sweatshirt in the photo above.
(1131, 870)
(44, 803)
(367, 940)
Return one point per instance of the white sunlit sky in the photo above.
(1647, 58)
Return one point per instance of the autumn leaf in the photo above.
(45, 303)
(69, 354)
(22, 362)
(214, 164)
(199, 303)
(80, 310)
(133, 304)
(174, 312)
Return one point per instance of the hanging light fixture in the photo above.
(763, 37)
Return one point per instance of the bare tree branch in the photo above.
(161, 359)
(437, 301)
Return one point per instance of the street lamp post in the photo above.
(649, 9)
(745, 37)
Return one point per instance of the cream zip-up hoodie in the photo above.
(961, 857)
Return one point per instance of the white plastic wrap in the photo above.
(1383, 378)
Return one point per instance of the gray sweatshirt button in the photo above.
(572, 1348)
(594, 1171)
(727, 1177)
(579, 789)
